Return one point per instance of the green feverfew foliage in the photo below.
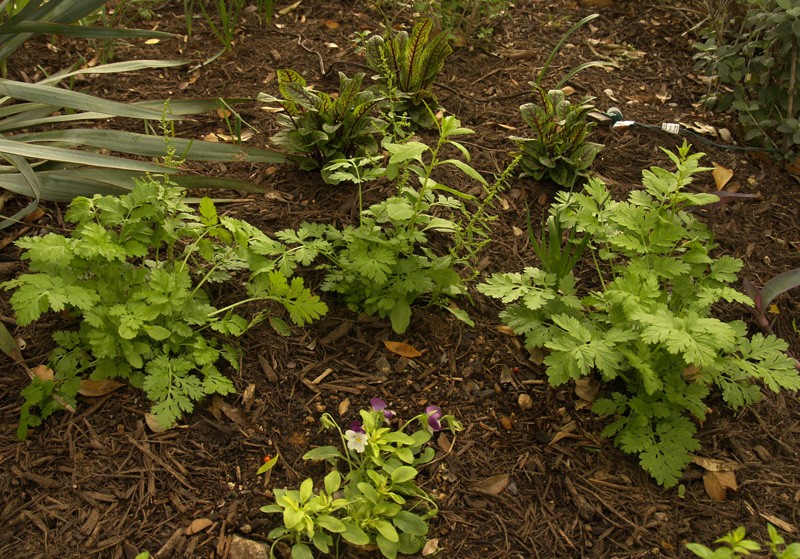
(133, 272)
(385, 265)
(650, 326)
(319, 129)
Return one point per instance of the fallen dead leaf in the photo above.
(498, 125)
(537, 356)
(197, 526)
(401, 348)
(234, 414)
(249, 395)
(33, 216)
(43, 372)
(493, 485)
(95, 388)
(714, 465)
(152, 41)
(290, 8)
(332, 45)
(567, 90)
(782, 524)
(507, 424)
(517, 231)
(154, 425)
(443, 442)
(430, 547)
(525, 402)
(344, 405)
(587, 389)
(330, 24)
(564, 432)
(773, 309)
(503, 329)
(721, 175)
(718, 483)
(506, 374)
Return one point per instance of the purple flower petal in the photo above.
(377, 404)
(434, 415)
(356, 427)
(388, 414)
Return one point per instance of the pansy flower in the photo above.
(434, 414)
(356, 437)
(379, 405)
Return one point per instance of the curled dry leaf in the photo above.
(197, 526)
(537, 356)
(154, 425)
(493, 485)
(234, 414)
(782, 524)
(402, 349)
(430, 547)
(330, 24)
(713, 465)
(587, 389)
(443, 442)
(721, 175)
(43, 372)
(503, 329)
(525, 402)
(344, 405)
(718, 483)
(95, 388)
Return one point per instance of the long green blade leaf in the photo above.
(42, 27)
(74, 100)
(77, 157)
(116, 67)
(65, 184)
(153, 146)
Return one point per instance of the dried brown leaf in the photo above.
(444, 442)
(197, 526)
(234, 414)
(503, 329)
(721, 175)
(401, 348)
(43, 372)
(714, 465)
(718, 483)
(782, 524)
(330, 24)
(95, 388)
(587, 389)
(493, 485)
(154, 425)
(430, 547)
(344, 405)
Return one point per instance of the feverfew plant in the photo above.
(132, 272)
(377, 502)
(385, 265)
(648, 331)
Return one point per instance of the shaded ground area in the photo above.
(100, 483)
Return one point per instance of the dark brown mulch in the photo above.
(100, 483)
